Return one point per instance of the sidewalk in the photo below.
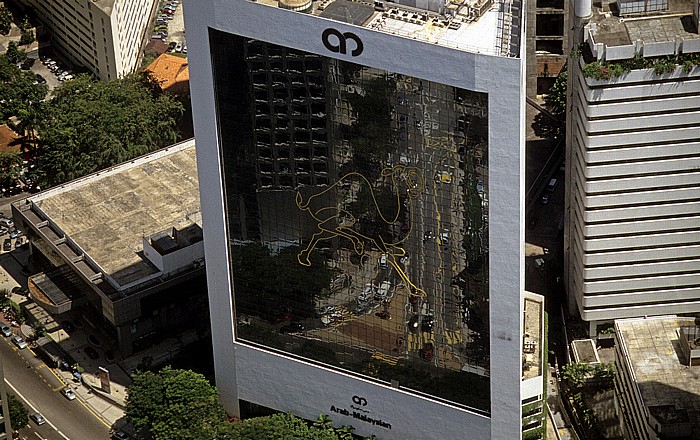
(109, 407)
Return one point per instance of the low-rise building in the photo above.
(657, 386)
(116, 241)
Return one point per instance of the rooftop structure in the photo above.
(660, 394)
(485, 26)
(668, 30)
(172, 73)
(109, 229)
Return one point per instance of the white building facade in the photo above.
(632, 223)
(363, 212)
(104, 36)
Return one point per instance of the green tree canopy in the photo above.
(556, 98)
(19, 89)
(176, 404)
(93, 125)
(19, 416)
(14, 54)
(5, 20)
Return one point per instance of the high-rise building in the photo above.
(547, 30)
(632, 223)
(361, 178)
(104, 36)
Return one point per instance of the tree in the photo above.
(556, 98)
(10, 163)
(5, 20)
(281, 426)
(92, 125)
(19, 415)
(14, 54)
(27, 37)
(175, 404)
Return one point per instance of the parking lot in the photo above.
(175, 27)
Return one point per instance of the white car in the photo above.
(68, 393)
(178, 48)
(19, 342)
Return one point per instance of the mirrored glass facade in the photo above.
(357, 214)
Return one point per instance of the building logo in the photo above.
(357, 400)
(340, 46)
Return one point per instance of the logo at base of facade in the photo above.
(340, 46)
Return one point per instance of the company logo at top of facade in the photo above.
(330, 36)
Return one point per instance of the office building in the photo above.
(547, 31)
(632, 223)
(111, 247)
(657, 383)
(103, 36)
(361, 176)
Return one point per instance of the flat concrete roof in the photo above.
(496, 32)
(107, 214)
(653, 27)
(654, 348)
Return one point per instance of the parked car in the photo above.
(7, 245)
(294, 327)
(3, 231)
(171, 46)
(120, 435)
(7, 222)
(16, 233)
(68, 393)
(545, 199)
(40, 79)
(5, 330)
(38, 418)
(184, 49)
(178, 48)
(19, 342)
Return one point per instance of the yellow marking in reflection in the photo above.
(334, 222)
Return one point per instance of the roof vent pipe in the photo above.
(582, 8)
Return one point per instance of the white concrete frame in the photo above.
(289, 384)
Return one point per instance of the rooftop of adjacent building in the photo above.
(644, 27)
(482, 26)
(172, 72)
(107, 214)
(669, 388)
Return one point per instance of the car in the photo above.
(414, 323)
(120, 435)
(443, 177)
(294, 327)
(7, 245)
(3, 230)
(184, 49)
(429, 235)
(6, 222)
(16, 233)
(40, 79)
(367, 293)
(427, 324)
(68, 393)
(445, 237)
(178, 47)
(540, 263)
(5, 330)
(545, 199)
(171, 46)
(38, 418)
(161, 27)
(19, 342)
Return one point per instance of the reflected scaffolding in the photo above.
(357, 214)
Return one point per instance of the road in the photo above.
(32, 381)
